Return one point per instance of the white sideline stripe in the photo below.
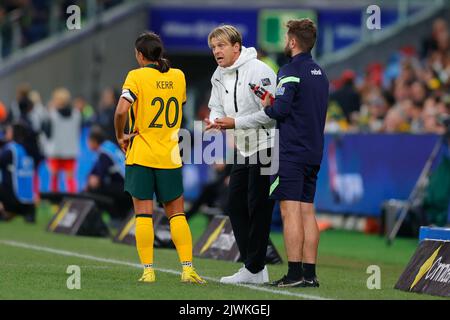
(136, 265)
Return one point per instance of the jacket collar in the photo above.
(301, 56)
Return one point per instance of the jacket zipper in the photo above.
(226, 91)
(235, 91)
(267, 132)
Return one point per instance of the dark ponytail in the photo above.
(164, 65)
(151, 47)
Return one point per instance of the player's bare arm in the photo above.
(120, 120)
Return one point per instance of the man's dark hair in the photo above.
(25, 106)
(151, 47)
(304, 31)
(20, 132)
(96, 134)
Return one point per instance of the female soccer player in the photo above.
(153, 96)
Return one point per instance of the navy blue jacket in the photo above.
(6, 160)
(110, 165)
(102, 170)
(300, 108)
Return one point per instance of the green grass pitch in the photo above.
(33, 265)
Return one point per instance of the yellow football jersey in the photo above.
(157, 100)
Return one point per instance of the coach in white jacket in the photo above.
(249, 207)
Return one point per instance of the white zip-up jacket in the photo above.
(231, 96)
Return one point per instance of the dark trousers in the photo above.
(122, 202)
(214, 194)
(13, 205)
(209, 195)
(250, 212)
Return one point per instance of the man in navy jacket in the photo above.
(17, 195)
(107, 177)
(300, 108)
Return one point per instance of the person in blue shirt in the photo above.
(107, 175)
(17, 195)
(300, 108)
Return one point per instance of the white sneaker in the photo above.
(245, 276)
(265, 273)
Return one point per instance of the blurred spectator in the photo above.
(430, 44)
(414, 90)
(373, 111)
(17, 170)
(264, 57)
(63, 132)
(430, 118)
(374, 74)
(402, 91)
(29, 119)
(23, 111)
(38, 114)
(87, 111)
(21, 102)
(415, 118)
(107, 175)
(36, 118)
(336, 120)
(347, 97)
(395, 122)
(3, 113)
(105, 113)
(443, 106)
(418, 92)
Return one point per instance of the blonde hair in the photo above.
(61, 96)
(226, 33)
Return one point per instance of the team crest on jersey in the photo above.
(280, 91)
(280, 88)
(265, 82)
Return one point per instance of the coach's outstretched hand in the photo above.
(225, 123)
(211, 125)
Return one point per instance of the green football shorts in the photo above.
(143, 182)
